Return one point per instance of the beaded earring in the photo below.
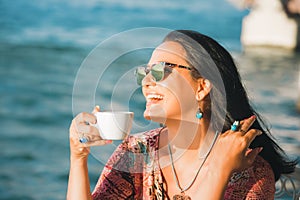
(199, 114)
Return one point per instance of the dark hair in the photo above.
(237, 103)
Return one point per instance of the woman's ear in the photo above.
(204, 87)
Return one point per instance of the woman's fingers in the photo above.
(99, 142)
(83, 127)
(246, 124)
(235, 144)
(251, 135)
(85, 117)
(93, 138)
(96, 109)
(85, 130)
(83, 123)
(251, 155)
(89, 132)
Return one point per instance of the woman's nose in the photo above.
(149, 80)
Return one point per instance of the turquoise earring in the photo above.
(199, 114)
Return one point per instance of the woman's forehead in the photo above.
(169, 51)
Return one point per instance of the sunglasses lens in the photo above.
(140, 74)
(157, 71)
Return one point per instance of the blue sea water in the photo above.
(44, 43)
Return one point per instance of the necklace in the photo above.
(182, 195)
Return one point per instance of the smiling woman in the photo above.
(193, 88)
(177, 87)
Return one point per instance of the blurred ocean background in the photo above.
(44, 43)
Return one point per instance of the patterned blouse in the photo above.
(133, 172)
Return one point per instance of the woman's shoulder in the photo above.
(143, 140)
(146, 135)
(255, 182)
(262, 168)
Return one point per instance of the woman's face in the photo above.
(172, 98)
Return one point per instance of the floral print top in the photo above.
(133, 172)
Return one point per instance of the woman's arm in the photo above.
(79, 184)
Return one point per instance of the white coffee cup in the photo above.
(114, 125)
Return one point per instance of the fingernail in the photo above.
(259, 132)
(108, 141)
(260, 149)
(253, 117)
(98, 107)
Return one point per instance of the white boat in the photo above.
(268, 24)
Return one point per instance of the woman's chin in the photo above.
(154, 114)
(147, 117)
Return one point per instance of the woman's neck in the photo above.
(187, 142)
(184, 135)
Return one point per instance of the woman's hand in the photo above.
(83, 126)
(231, 152)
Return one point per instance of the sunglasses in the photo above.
(159, 71)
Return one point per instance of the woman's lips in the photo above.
(153, 98)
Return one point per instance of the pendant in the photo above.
(181, 197)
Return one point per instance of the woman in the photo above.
(192, 86)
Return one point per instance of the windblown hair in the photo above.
(237, 106)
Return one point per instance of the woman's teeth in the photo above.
(154, 97)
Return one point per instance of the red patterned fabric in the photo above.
(133, 172)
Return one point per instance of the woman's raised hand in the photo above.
(82, 126)
(231, 151)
